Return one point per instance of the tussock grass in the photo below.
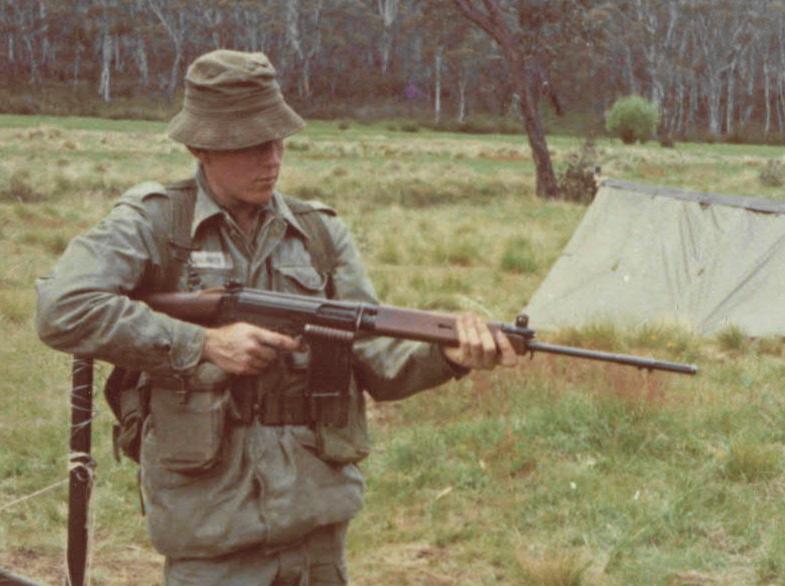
(733, 339)
(18, 187)
(751, 461)
(553, 568)
(598, 335)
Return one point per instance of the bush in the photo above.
(579, 181)
(632, 118)
(773, 174)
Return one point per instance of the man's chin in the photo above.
(260, 194)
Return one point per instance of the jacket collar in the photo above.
(206, 207)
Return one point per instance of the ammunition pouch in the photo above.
(337, 404)
(188, 418)
(349, 443)
(318, 392)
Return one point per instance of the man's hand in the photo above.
(478, 348)
(241, 348)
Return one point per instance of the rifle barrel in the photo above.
(626, 359)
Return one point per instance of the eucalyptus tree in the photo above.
(174, 17)
(530, 34)
(721, 31)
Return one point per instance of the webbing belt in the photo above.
(272, 408)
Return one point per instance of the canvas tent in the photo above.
(652, 254)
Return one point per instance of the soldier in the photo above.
(241, 485)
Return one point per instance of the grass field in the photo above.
(560, 473)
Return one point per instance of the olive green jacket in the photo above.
(84, 308)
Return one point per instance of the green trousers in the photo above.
(318, 560)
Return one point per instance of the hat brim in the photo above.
(232, 131)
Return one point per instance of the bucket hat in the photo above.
(232, 101)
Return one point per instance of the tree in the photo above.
(496, 23)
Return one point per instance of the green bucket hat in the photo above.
(232, 101)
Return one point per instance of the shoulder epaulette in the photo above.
(301, 206)
(141, 191)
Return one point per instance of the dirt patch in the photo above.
(129, 567)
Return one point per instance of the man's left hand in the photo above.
(478, 348)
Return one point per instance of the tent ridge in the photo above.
(755, 204)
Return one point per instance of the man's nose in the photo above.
(271, 153)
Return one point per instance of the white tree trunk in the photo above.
(388, 10)
(106, 69)
(730, 102)
(766, 97)
(462, 83)
(437, 90)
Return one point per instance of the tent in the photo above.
(646, 254)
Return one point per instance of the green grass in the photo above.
(560, 472)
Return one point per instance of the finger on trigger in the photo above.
(276, 340)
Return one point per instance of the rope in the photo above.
(32, 495)
(78, 461)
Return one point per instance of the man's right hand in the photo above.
(241, 348)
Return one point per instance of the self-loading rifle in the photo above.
(315, 318)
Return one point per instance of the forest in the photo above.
(714, 68)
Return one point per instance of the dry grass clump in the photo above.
(733, 339)
(677, 339)
(599, 335)
(752, 461)
(18, 187)
(552, 568)
(771, 345)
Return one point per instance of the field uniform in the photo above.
(231, 497)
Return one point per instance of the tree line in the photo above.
(712, 67)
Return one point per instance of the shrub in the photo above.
(632, 118)
(773, 174)
(579, 180)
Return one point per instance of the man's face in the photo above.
(243, 176)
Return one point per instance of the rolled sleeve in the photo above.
(84, 306)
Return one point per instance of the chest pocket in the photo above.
(207, 269)
(300, 280)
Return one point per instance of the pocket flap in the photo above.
(305, 276)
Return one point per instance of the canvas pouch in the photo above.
(188, 417)
(350, 443)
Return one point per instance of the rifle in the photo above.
(326, 322)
